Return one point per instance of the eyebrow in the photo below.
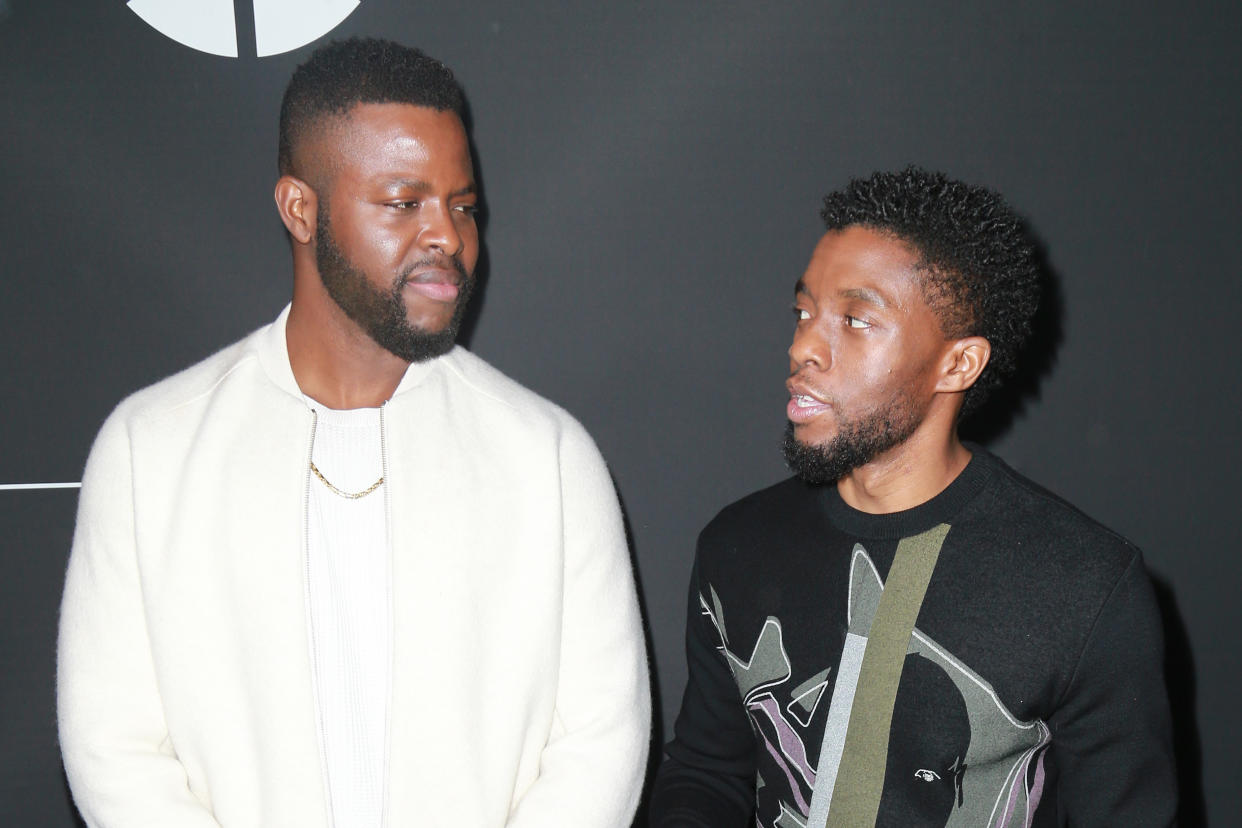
(868, 295)
(421, 186)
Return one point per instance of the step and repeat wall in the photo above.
(652, 174)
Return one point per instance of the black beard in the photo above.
(381, 314)
(856, 443)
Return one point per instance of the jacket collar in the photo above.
(272, 350)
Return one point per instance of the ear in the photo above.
(298, 205)
(963, 362)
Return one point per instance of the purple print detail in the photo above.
(1018, 787)
(1019, 782)
(790, 747)
(790, 743)
(1037, 789)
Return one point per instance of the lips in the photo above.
(439, 291)
(438, 280)
(804, 405)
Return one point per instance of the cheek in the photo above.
(368, 241)
(385, 245)
(879, 375)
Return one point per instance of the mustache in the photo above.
(434, 262)
(796, 379)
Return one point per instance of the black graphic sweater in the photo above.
(1031, 692)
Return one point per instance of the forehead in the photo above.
(392, 139)
(858, 261)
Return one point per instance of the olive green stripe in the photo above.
(860, 778)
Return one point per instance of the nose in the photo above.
(440, 232)
(809, 349)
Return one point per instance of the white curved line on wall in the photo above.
(9, 487)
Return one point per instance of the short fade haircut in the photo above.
(344, 73)
(979, 264)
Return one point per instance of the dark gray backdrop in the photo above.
(652, 173)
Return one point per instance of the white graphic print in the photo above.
(206, 25)
(284, 25)
(209, 25)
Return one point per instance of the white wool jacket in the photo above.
(519, 689)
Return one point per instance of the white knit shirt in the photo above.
(349, 611)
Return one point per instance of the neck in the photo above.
(907, 475)
(334, 361)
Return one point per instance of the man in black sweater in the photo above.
(909, 633)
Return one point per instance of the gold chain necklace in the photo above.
(341, 492)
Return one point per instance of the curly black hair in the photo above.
(979, 263)
(344, 73)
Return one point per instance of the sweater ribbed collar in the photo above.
(942, 508)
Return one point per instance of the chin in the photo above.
(428, 316)
(812, 435)
(429, 330)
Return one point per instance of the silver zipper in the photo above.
(392, 632)
(310, 623)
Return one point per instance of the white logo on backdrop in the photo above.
(209, 25)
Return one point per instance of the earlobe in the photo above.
(964, 362)
(297, 205)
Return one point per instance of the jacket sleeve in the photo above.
(1111, 735)
(707, 779)
(121, 767)
(592, 768)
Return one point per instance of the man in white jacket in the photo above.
(344, 573)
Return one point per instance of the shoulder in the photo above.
(790, 498)
(186, 391)
(770, 519)
(1057, 533)
(503, 398)
(499, 417)
(167, 412)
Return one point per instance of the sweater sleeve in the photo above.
(121, 767)
(707, 779)
(591, 770)
(1111, 735)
